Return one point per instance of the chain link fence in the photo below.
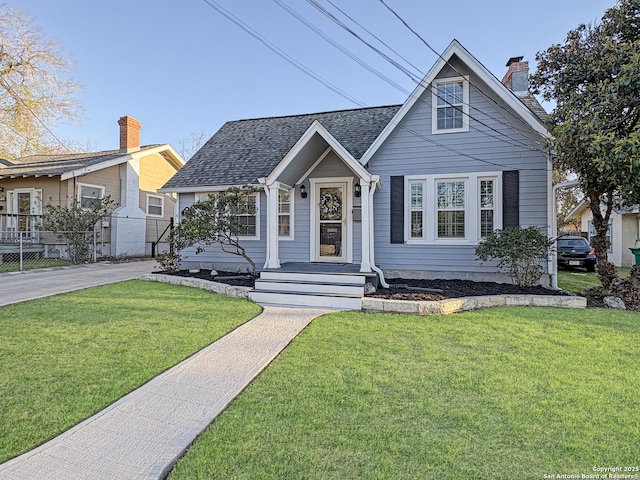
(25, 250)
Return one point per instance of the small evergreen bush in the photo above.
(520, 253)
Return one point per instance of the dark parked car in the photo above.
(576, 252)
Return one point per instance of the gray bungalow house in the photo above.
(396, 191)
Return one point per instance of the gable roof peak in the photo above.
(481, 72)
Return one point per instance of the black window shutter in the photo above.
(510, 198)
(397, 209)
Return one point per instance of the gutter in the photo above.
(375, 180)
(553, 262)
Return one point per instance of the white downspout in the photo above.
(553, 263)
(375, 179)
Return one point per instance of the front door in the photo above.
(24, 204)
(331, 222)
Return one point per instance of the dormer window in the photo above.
(450, 105)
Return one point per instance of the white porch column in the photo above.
(273, 256)
(365, 265)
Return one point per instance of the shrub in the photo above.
(519, 252)
(219, 219)
(71, 223)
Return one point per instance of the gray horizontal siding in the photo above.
(298, 250)
(213, 256)
(412, 150)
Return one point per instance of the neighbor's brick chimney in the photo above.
(129, 134)
(517, 77)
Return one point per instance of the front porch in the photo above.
(326, 196)
(313, 284)
(322, 267)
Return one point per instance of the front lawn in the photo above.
(577, 281)
(66, 357)
(500, 393)
(29, 264)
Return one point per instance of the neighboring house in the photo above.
(410, 188)
(131, 176)
(623, 233)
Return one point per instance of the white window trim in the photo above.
(410, 210)
(199, 197)
(290, 237)
(257, 214)
(36, 200)
(430, 207)
(80, 185)
(205, 196)
(464, 181)
(161, 206)
(465, 105)
(497, 202)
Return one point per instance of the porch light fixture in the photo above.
(357, 190)
(303, 191)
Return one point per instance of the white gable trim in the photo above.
(123, 159)
(575, 210)
(94, 168)
(317, 128)
(455, 48)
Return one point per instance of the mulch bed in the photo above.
(229, 278)
(450, 288)
(454, 289)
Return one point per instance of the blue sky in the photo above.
(178, 66)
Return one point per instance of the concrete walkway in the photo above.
(31, 284)
(143, 434)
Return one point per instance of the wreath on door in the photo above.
(330, 205)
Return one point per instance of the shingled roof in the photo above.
(58, 164)
(533, 104)
(243, 151)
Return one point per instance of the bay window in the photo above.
(416, 213)
(452, 208)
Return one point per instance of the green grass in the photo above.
(31, 264)
(500, 393)
(66, 357)
(577, 281)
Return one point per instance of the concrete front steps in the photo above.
(338, 291)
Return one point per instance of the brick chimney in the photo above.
(129, 134)
(517, 77)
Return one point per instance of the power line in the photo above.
(335, 44)
(275, 49)
(518, 143)
(376, 37)
(35, 116)
(336, 20)
(316, 77)
(404, 22)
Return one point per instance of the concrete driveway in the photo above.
(32, 284)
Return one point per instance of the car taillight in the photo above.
(592, 252)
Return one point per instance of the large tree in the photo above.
(594, 78)
(35, 87)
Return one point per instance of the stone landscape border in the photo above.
(221, 288)
(373, 304)
(453, 305)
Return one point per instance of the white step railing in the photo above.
(15, 228)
